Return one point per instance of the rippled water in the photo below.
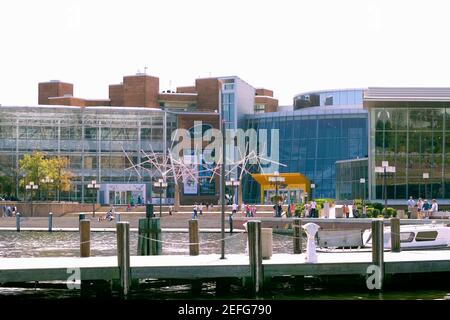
(66, 244)
(44, 244)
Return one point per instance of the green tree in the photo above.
(6, 185)
(36, 167)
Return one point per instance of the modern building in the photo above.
(311, 140)
(409, 128)
(106, 139)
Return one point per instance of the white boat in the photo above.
(429, 236)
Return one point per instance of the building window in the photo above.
(260, 108)
(228, 86)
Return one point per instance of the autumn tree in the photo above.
(36, 167)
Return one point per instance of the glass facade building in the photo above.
(96, 140)
(349, 173)
(311, 141)
(410, 128)
(329, 98)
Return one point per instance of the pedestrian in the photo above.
(200, 208)
(313, 209)
(346, 211)
(194, 214)
(434, 208)
(253, 211)
(243, 208)
(234, 208)
(355, 211)
(247, 210)
(426, 209)
(307, 210)
(411, 204)
(364, 211)
(419, 205)
(3, 211)
(170, 210)
(230, 221)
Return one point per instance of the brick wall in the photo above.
(208, 94)
(270, 103)
(116, 95)
(264, 92)
(187, 89)
(53, 89)
(141, 91)
(67, 101)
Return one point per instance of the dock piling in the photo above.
(149, 237)
(255, 255)
(50, 221)
(18, 222)
(297, 236)
(194, 246)
(85, 238)
(395, 235)
(378, 249)
(123, 256)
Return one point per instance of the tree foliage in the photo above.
(36, 167)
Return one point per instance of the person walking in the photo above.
(434, 208)
(253, 211)
(247, 210)
(426, 209)
(313, 209)
(194, 213)
(234, 208)
(170, 210)
(411, 204)
(200, 208)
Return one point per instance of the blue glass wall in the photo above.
(328, 98)
(311, 144)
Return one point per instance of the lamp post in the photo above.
(276, 179)
(222, 187)
(31, 186)
(426, 176)
(94, 187)
(313, 186)
(384, 171)
(160, 184)
(233, 183)
(362, 181)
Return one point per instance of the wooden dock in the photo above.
(211, 266)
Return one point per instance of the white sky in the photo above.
(288, 46)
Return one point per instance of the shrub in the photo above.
(390, 212)
(377, 205)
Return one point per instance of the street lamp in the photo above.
(47, 181)
(277, 180)
(31, 186)
(160, 184)
(426, 176)
(384, 171)
(362, 181)
(94, 187)
(233, 183)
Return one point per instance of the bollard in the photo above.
(50, 222)
(194, 246)
(311, 230)
(117, 217)
(149, 237)
(18, 221)
(81, 216)
(85, 238)
(378, 249)
(395, 235)
(123, 256)
(255, 255)
(297, 236)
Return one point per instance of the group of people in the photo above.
(8, 211)
(311, 210)
(423, 207)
